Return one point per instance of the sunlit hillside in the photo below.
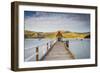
(68, 34)
(75, 35)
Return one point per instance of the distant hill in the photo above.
(32, 34)
(88, 36)
(66, 34)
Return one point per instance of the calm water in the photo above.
(80, 48)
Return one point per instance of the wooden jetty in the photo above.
(56, 51)
(59, 51)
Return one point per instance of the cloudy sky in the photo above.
(52, 21)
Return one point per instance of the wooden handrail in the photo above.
(37, 50)
(47, 46)
(67, 48)
(37, 55)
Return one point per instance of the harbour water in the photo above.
(79, 47)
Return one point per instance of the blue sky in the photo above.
(53, 21)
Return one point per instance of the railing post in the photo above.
(47, 46)
(67, 43)
(37, 54)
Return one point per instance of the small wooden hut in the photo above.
(59, 36)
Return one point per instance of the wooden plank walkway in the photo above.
(59, 52)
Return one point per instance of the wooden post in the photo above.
(67, 43)
(47, 46)
(37, 54)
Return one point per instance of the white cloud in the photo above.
(53, 22)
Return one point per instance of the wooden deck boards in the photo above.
(59, 52)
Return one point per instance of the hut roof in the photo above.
(59, 34)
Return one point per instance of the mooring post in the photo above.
(37, 54)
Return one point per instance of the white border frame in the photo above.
(34, 64)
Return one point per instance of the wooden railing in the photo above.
(37, 53)
(69, 51)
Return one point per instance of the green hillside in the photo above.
(31, 34)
